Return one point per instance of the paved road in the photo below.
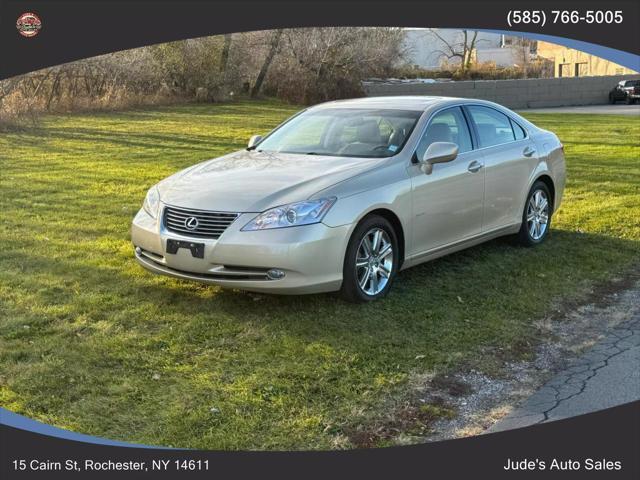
(606, 376)
(617, 109)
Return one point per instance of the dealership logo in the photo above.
(28, 24)
(191, 223)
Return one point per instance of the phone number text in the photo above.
(540, 17)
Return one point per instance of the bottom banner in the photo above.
(603, 444)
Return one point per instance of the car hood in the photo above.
(249, 181)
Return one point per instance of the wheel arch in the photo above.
(395, 222)
(548, 181)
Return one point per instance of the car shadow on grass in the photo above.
(492, 288)
(566, 255)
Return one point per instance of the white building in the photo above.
(424, 48)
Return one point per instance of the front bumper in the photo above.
(311, 256)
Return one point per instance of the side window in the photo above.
(518, 131)
(446, 126)
(493, 127)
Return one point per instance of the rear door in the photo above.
(509, 158)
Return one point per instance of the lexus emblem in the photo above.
(191, 223)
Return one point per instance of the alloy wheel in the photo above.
(374, 261)
(537, 214)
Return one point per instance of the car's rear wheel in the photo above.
(536, 218)
(371, 261)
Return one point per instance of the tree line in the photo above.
(297, 65)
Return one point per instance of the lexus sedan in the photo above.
(344, 195)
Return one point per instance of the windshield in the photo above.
(344, 132)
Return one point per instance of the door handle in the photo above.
(475, 166)
(528, 151)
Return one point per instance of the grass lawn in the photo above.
(91, 342)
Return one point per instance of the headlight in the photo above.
(292, 215)
(152, 202)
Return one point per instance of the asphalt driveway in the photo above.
(605, 376)
(617, 109)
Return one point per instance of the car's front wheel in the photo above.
(536, 218)
(371, 260)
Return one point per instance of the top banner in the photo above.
(35, 35)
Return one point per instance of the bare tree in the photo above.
(273, 49)
(462, 50)
(325, 63)
(7, 86)
(224, 56)
(522, 49)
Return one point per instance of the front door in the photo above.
(447, 203)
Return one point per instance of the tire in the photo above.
(535, 213)
(629, 100)
(612, 99)
(368, 282)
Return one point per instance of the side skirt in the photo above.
(443, 250)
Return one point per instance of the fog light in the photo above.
(138, 250)
(275, 274)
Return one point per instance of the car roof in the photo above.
(408, 102)
(419, 103)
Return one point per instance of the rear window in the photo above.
(518, 131)
(493, 127)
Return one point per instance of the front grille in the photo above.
(206, 224)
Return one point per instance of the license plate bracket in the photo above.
(196, 249)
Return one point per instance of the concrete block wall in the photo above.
(524, 93)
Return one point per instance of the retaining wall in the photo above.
(525, 93)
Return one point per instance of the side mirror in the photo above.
(438, 152)
(253, 141)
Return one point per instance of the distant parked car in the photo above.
(345, 194)
(627, 90)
